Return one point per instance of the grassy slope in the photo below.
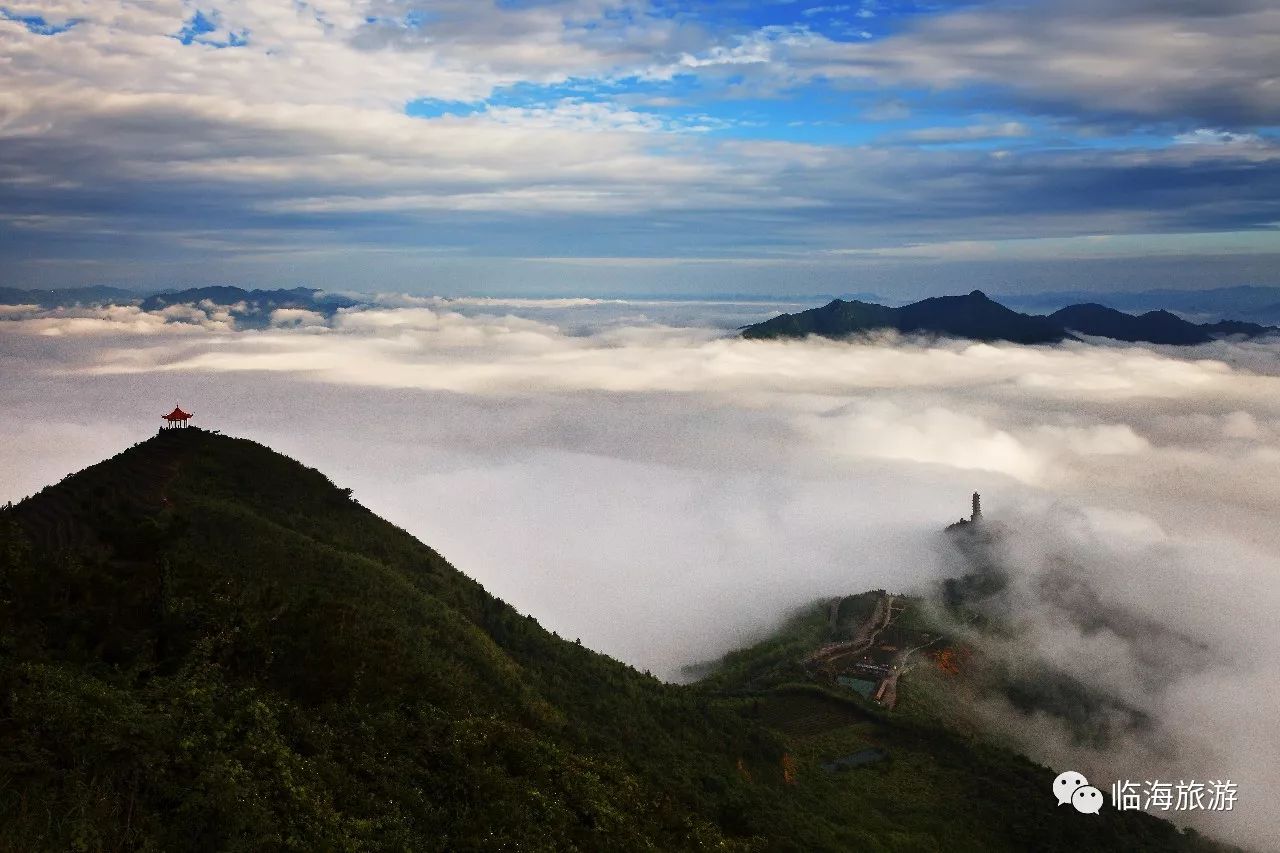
(206, 646)
(944, 787)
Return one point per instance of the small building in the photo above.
(972, 519)
(176, 419)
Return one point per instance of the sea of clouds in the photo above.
(635, 476)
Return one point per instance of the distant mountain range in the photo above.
(253, 308)
(975, 316)
(1251, 303)
(297, 297)
(95, 295)
(1158, 327)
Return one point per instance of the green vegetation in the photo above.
(207, 646)
(946, 785)
(772, 661)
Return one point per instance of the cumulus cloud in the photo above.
(296, 318)
(113, 319)
(969, 133)
(1153, 59)
(125, 146)
(1208, 136)
(665, 491)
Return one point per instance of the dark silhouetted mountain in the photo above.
(973, 316)
(207, 646)
(833, 320)
(1157, 327)
(251, 308)
(1249, 303)
(976, 317)
(1230, 328)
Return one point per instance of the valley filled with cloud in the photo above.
(636, 476)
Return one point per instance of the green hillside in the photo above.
(207, 646)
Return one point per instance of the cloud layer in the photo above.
(265, 142)
(639, 479)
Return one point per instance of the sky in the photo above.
(635, 476)
(640, 146)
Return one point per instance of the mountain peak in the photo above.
(239, 653)
(974, 316)
(221, 621)
(1158, 327)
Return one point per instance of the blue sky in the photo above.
(598, 145)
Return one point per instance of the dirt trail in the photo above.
(880, 619)
(888, 692)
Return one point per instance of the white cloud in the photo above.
(1208, 136)
(111, 320)
(666, 492)
(825, 10)
(296, 318)
(969, 133)
(1161, 59)
(117, 108)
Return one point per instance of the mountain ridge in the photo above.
(975, 316)
(251, 308)
(1250, 303)
(209, 646)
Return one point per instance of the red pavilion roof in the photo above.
(176, 415)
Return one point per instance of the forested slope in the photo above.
(205, 645)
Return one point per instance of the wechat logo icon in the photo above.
(1071, 787)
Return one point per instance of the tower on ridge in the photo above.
(977, 507)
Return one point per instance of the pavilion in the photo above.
(176, 418)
